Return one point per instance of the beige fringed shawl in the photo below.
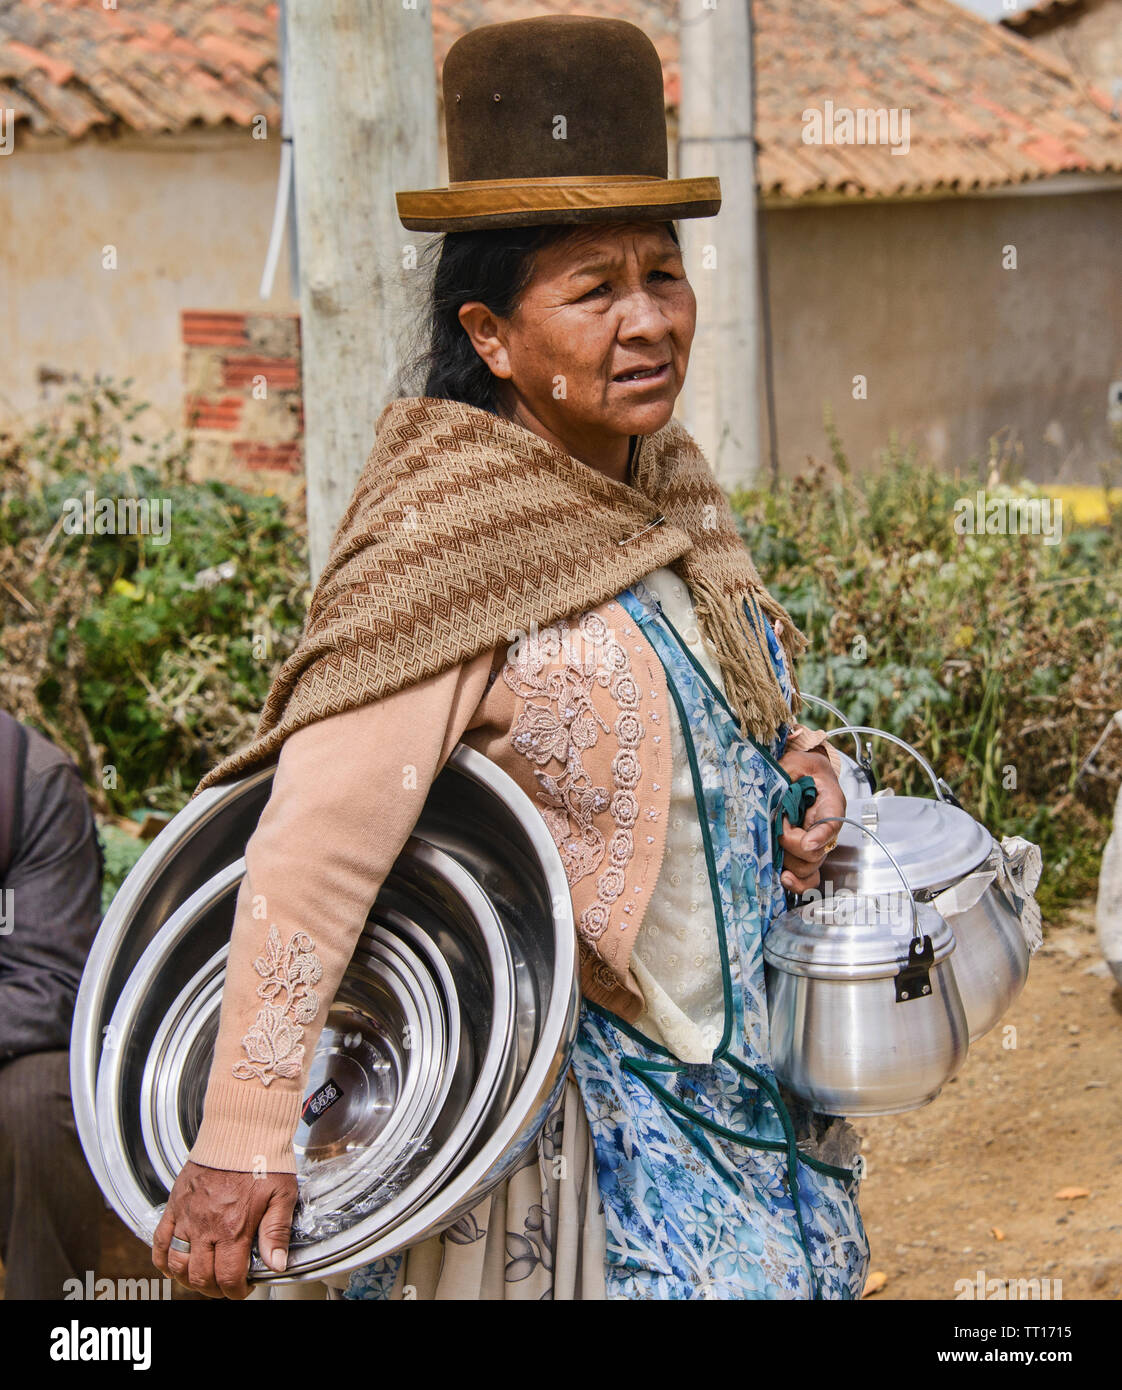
(466, 529)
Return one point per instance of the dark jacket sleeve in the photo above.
(50, 912)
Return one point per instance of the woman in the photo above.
(537, 561)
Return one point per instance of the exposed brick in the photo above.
(286, 458)
(202, 371)
(209, 329)
(212, 459)
(234, 434)
(273, 335)
(204, 413)
(272, 420)
(280, 373)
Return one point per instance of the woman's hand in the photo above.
(219, 1213)
(804, 849)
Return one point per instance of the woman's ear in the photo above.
(484, 330)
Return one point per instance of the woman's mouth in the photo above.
(644, 376)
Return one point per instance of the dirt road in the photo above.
(1017, 1125)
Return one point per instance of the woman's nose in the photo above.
(642, 317)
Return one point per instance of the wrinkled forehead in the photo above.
(601, 247)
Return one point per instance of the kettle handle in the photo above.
(848, 820)
(825, 704)
(936, 782)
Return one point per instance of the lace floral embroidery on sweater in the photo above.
(274, 1045)
(558, 721)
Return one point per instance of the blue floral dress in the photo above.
(706, 1193)
(706, 1186)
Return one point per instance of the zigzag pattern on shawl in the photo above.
(464, 529)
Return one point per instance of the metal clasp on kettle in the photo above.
(913, 979)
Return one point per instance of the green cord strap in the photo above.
(787, 1146)
(794, 804)
(797, 797)
(793, 1157)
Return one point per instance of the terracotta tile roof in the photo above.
(986, 108)
(69, 66)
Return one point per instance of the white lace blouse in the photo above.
(676, 957)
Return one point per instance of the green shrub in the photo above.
(999, 657)
(126, 651)
(119, 851)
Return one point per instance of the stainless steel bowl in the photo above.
(364, 1053)
(345, 1179)
(435, 887)
(384, 997)
(207, 835)
(481, 818)
(407, 1108)
(380, 1075)
(484, 823)
(384, 1046)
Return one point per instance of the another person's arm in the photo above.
(53, 908)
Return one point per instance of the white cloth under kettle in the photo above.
(1016, 868)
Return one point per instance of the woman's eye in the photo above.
(598, 291)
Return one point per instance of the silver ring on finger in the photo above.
(182, 1247)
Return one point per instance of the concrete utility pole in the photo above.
(720, 401)
(363, 103)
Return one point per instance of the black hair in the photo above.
(493, 266)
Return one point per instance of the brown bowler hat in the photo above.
(555, 119)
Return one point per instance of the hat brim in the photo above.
(463, 207)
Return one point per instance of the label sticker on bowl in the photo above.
(320, 1101)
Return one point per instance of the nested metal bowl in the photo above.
(209, 834)
(382, 1089)
(505, 845)
(367, 1088)
(389, 1109)
(477, 963)
(479, 840)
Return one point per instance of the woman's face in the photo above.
(603, 305)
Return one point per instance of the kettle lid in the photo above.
(934, 843)
(853, 936)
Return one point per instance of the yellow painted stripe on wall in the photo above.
(1084, 502)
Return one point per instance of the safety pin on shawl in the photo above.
(650, 527)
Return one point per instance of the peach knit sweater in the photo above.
(346, 795)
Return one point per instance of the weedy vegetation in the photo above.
(998, 657)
